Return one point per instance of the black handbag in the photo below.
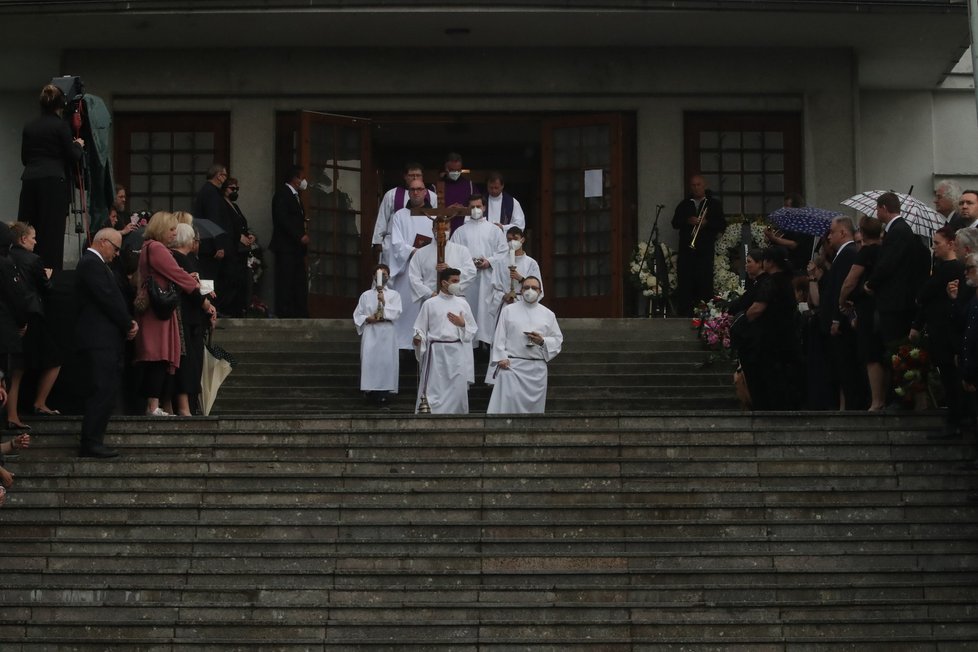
(162, 301)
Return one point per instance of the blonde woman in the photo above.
(158, 344)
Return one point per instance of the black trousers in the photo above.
(105, 371)
(44, 205)
(848, 373)
(291, 286)
(695, 282)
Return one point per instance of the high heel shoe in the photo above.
(13, 425)
(45, 412)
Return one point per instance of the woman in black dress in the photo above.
(48, 152)
(934, 319)
(862, 307)
(771, 365)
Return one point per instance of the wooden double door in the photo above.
(582, 235)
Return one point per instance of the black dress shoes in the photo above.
(97, 450)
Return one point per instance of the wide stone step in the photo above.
(349, 372)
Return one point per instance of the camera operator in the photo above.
(48, 152)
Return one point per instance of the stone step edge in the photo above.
(500, 541)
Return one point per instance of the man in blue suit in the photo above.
(103, 325)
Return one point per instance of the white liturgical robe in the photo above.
(522, 389)
(494, 206)
(379, 364)
(404, 229)
(385, 218)
(445, 354)
(483, 240)
(502, 284)
(423, 277)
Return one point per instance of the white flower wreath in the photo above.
(641, 274)
(725, 280)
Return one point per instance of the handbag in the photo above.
(162, 301)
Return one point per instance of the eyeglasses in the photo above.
(117, 247)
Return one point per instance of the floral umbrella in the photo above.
(923, 219)
(806, 219)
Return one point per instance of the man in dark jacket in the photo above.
(902, 268)
(695, 264)
(102, 327)
(290, 241)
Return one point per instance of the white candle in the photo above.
(380, 278)
(512, 258)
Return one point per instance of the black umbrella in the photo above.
(207, 229)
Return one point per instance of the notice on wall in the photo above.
(594, 183)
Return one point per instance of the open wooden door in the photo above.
(335, 153)
(581, 215)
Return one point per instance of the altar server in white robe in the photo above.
(443, 333)
(408, 232)
(527, 338)
(374, 317)
(504, 210)
(423, 276)
(485, 242)
(394, 200)
(504, 279)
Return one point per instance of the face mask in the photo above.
(303, 184)
(455, 289)
(530, 295)
(233, 196)
(515, 245)
(476, 213)
(455, 175)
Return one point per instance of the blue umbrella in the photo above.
(807, 219)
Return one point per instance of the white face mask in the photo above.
(530, 295)
(476, 213)
(455, 289)
(515, 245)
(455, 175)
(303, 184)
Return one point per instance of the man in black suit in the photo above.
(103, 325)
(966, 217)
(209, 204)
(946, 198)
(695, 265)
(844, 367)
(290, 240)
(902, 267)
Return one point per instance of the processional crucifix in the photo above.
(442, 226)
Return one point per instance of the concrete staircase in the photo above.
(616, 365)
(660, 532)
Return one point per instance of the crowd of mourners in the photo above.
(871, 323)
(134, 314)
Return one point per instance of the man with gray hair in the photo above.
(845, 371)
(102, 327)
(946, 197)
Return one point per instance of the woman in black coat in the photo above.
(196, 312)
(48, 152)
(13, 309)
(42, 349)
